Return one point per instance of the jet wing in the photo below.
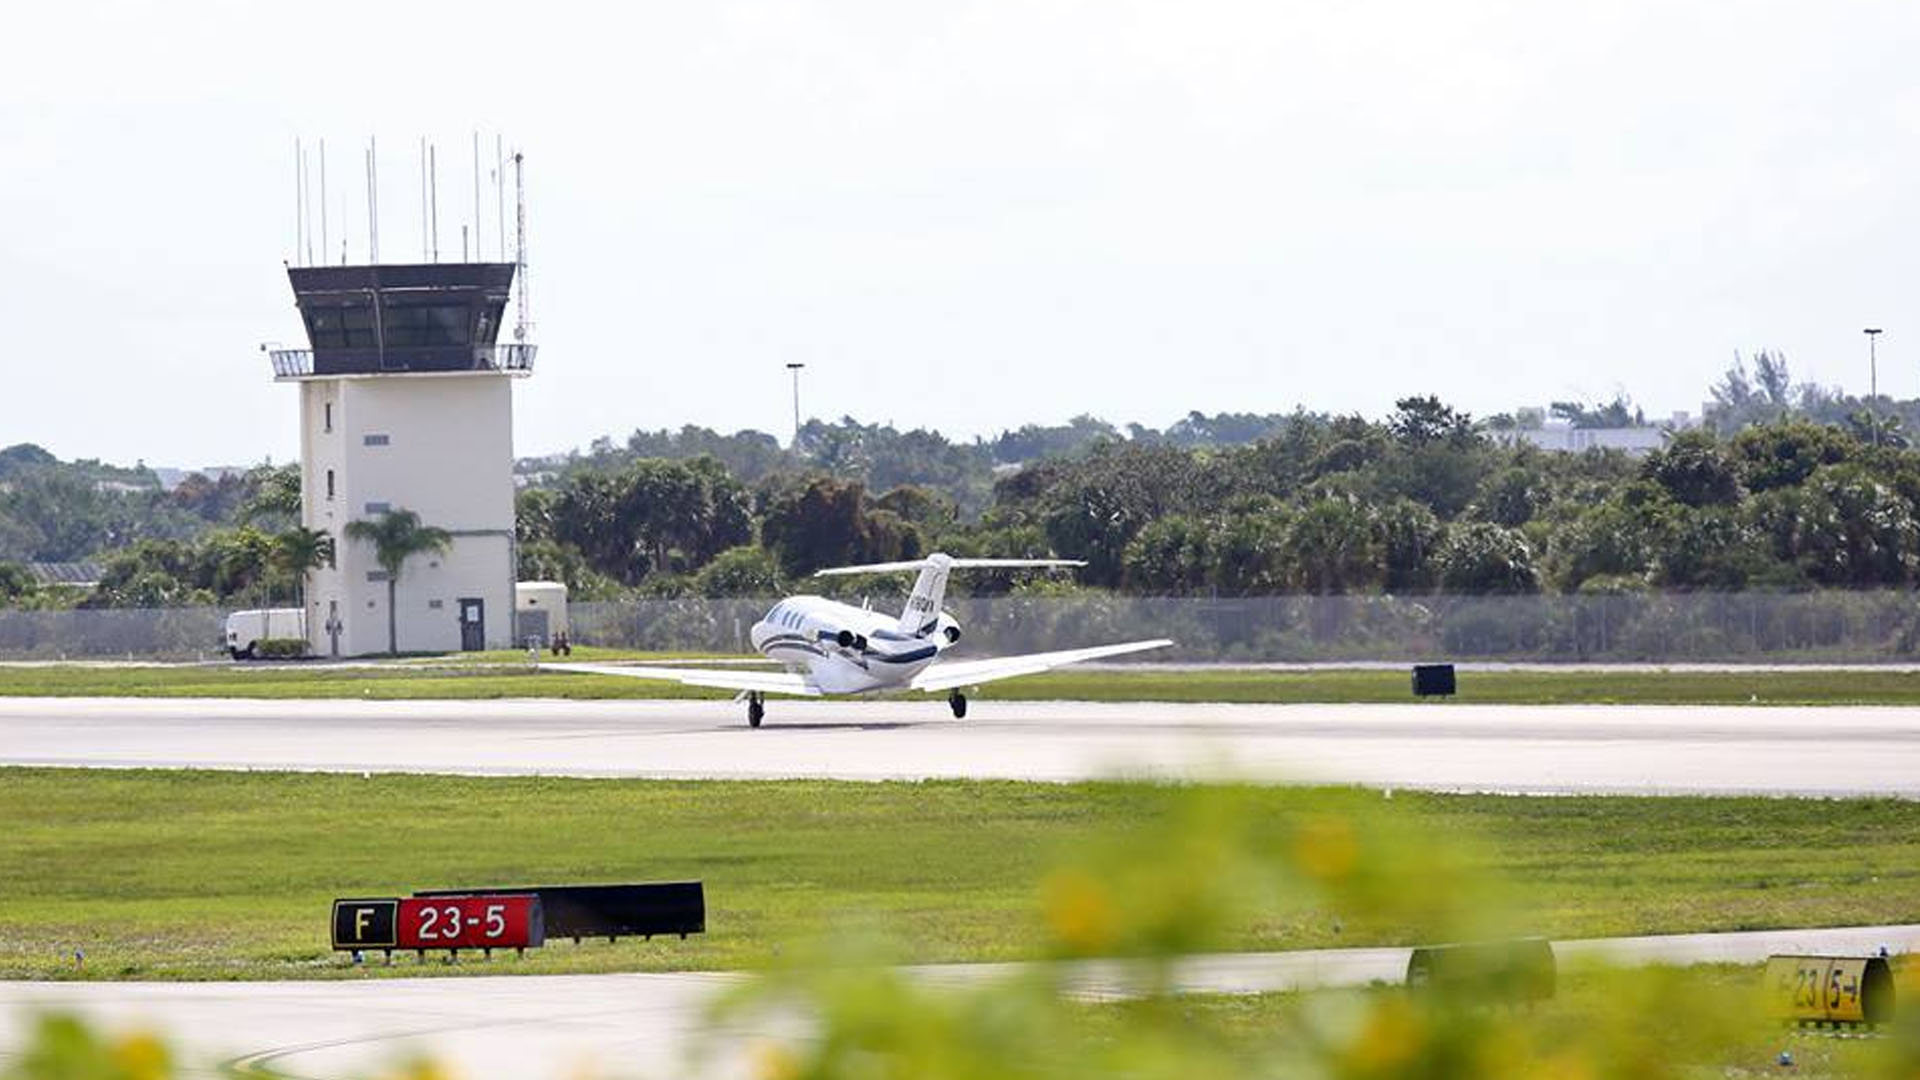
(939, 676)
(764, 682)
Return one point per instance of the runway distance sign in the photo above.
(471, 922)
(1830, 989)
(504, 921)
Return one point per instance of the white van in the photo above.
(247, 629)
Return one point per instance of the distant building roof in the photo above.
(1565, 438)
(85, 574)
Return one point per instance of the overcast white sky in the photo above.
(972, 215)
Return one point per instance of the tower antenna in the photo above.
(520, 240)
(299, 201)
(373, 205)
(479, 233)
(500, 189)
(433, 185)
(424, 248)
(306, 203)
(325, 248)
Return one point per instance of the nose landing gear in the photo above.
(756, 708)
(957, 701)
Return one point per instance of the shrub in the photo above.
(280, 648)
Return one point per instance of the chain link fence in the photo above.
(1639, 627)
(1643, 627)
(140, 634)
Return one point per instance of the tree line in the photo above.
(1424, 500)
(1427, 499)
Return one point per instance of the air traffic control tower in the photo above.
(406, 402)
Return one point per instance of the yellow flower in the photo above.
(1078, 911)
(1391, 1038)
(423, 1069)
(1326, 849)
(142, 1057)
(772, 1061)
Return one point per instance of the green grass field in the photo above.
(165, 874)
(504, 679)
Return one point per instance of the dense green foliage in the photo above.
(1425, 500)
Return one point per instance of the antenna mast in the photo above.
(373, 206)
(306, 206)
(324, 247)
(433, 182)
(299, 201)
(479, 232)
(520, 240)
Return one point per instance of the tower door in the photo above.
(473, 623)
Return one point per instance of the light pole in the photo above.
(795, 368)
(1873, 381)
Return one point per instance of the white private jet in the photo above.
(833, 648)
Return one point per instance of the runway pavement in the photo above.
(1560, 749)
(641, 1025)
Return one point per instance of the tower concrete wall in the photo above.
(440, 445)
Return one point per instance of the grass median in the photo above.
(205, 875)
(498, 679)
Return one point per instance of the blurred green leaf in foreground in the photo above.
(1186, 882)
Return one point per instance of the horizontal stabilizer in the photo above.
(974, 672)
(951, 564)
(764, 682)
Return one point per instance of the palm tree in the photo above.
(299, 550)
(397, 536)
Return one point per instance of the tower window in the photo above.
(329, 408)
(329, 483)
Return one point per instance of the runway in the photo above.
(641, 1025)
(1774, 750)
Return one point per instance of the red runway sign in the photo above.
(470, 922)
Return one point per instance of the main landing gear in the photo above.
(756, 708)
(957, 701)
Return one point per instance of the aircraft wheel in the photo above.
(958, 702)
(756, 711)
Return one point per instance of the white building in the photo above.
(1561, 436)
(406, 403)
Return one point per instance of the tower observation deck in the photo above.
(402, 319)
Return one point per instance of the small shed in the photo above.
(539, 612)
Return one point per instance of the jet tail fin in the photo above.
(923, 604)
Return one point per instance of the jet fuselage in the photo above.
(844, 649)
